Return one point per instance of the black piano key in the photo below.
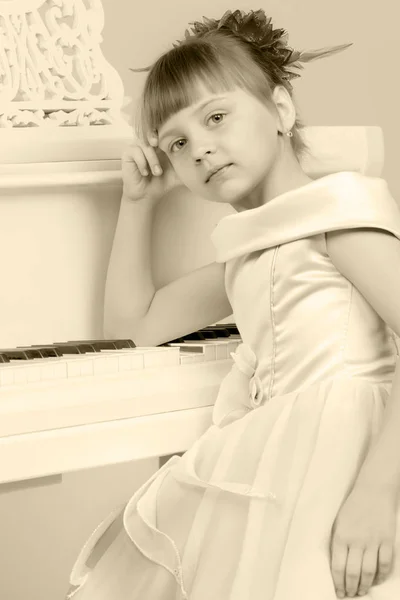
(61, 348)
(79, 348)
(208, 335)
(120, 344)
(46, 350)
(84, 346)
(196, 335)
(219, 331)
(24, 353)
(106, 344)
(215, 332)
(231, 327)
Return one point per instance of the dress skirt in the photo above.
(247, 512)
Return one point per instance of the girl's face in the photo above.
(234, 128)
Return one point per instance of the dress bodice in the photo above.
(300, 319)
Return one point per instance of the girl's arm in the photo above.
(370, 259)
(129, 286)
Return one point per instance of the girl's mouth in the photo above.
(220, 173)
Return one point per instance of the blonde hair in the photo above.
(221, 60)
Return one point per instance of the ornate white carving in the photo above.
(52, 70)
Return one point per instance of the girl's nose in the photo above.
(202, 151)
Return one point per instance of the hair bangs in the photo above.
(173, 83)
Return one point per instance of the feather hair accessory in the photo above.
(256, 27)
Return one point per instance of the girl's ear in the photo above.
(285, 110)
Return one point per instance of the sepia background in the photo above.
(43, 527)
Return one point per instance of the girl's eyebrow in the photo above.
(197, 110)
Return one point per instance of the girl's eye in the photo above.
(217, 115)
(174, 144)
(214, 115)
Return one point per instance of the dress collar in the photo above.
(339, 200)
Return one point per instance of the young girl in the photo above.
(292, 493)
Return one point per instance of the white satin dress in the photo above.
(247, 512)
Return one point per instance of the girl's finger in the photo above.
(369, 567)
(153, 138)
(339, 553)
(385, 560)
(353, 569)
(153, 159)
(136, 156)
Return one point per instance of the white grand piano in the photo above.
(69, 399)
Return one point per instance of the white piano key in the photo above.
(136, 359)
(129, 362)
(207, 351)
(76, 364)
(63, 367)
(45, 365)
(52, 368)
(12, 373)
(129, 359)
(187, 358)
(230, 346)
(86, 366)
(147, 357)
(19, 373)
(221, 347)
(34, 372)
(28, 371)
(6, 374)
(160, 356)
(104, 365)
(233, 344)
(60, 369)
(89, 364)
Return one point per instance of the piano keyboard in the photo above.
(66, 405)
(88, 358)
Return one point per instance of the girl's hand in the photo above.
(140, 158)
(362, 541)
